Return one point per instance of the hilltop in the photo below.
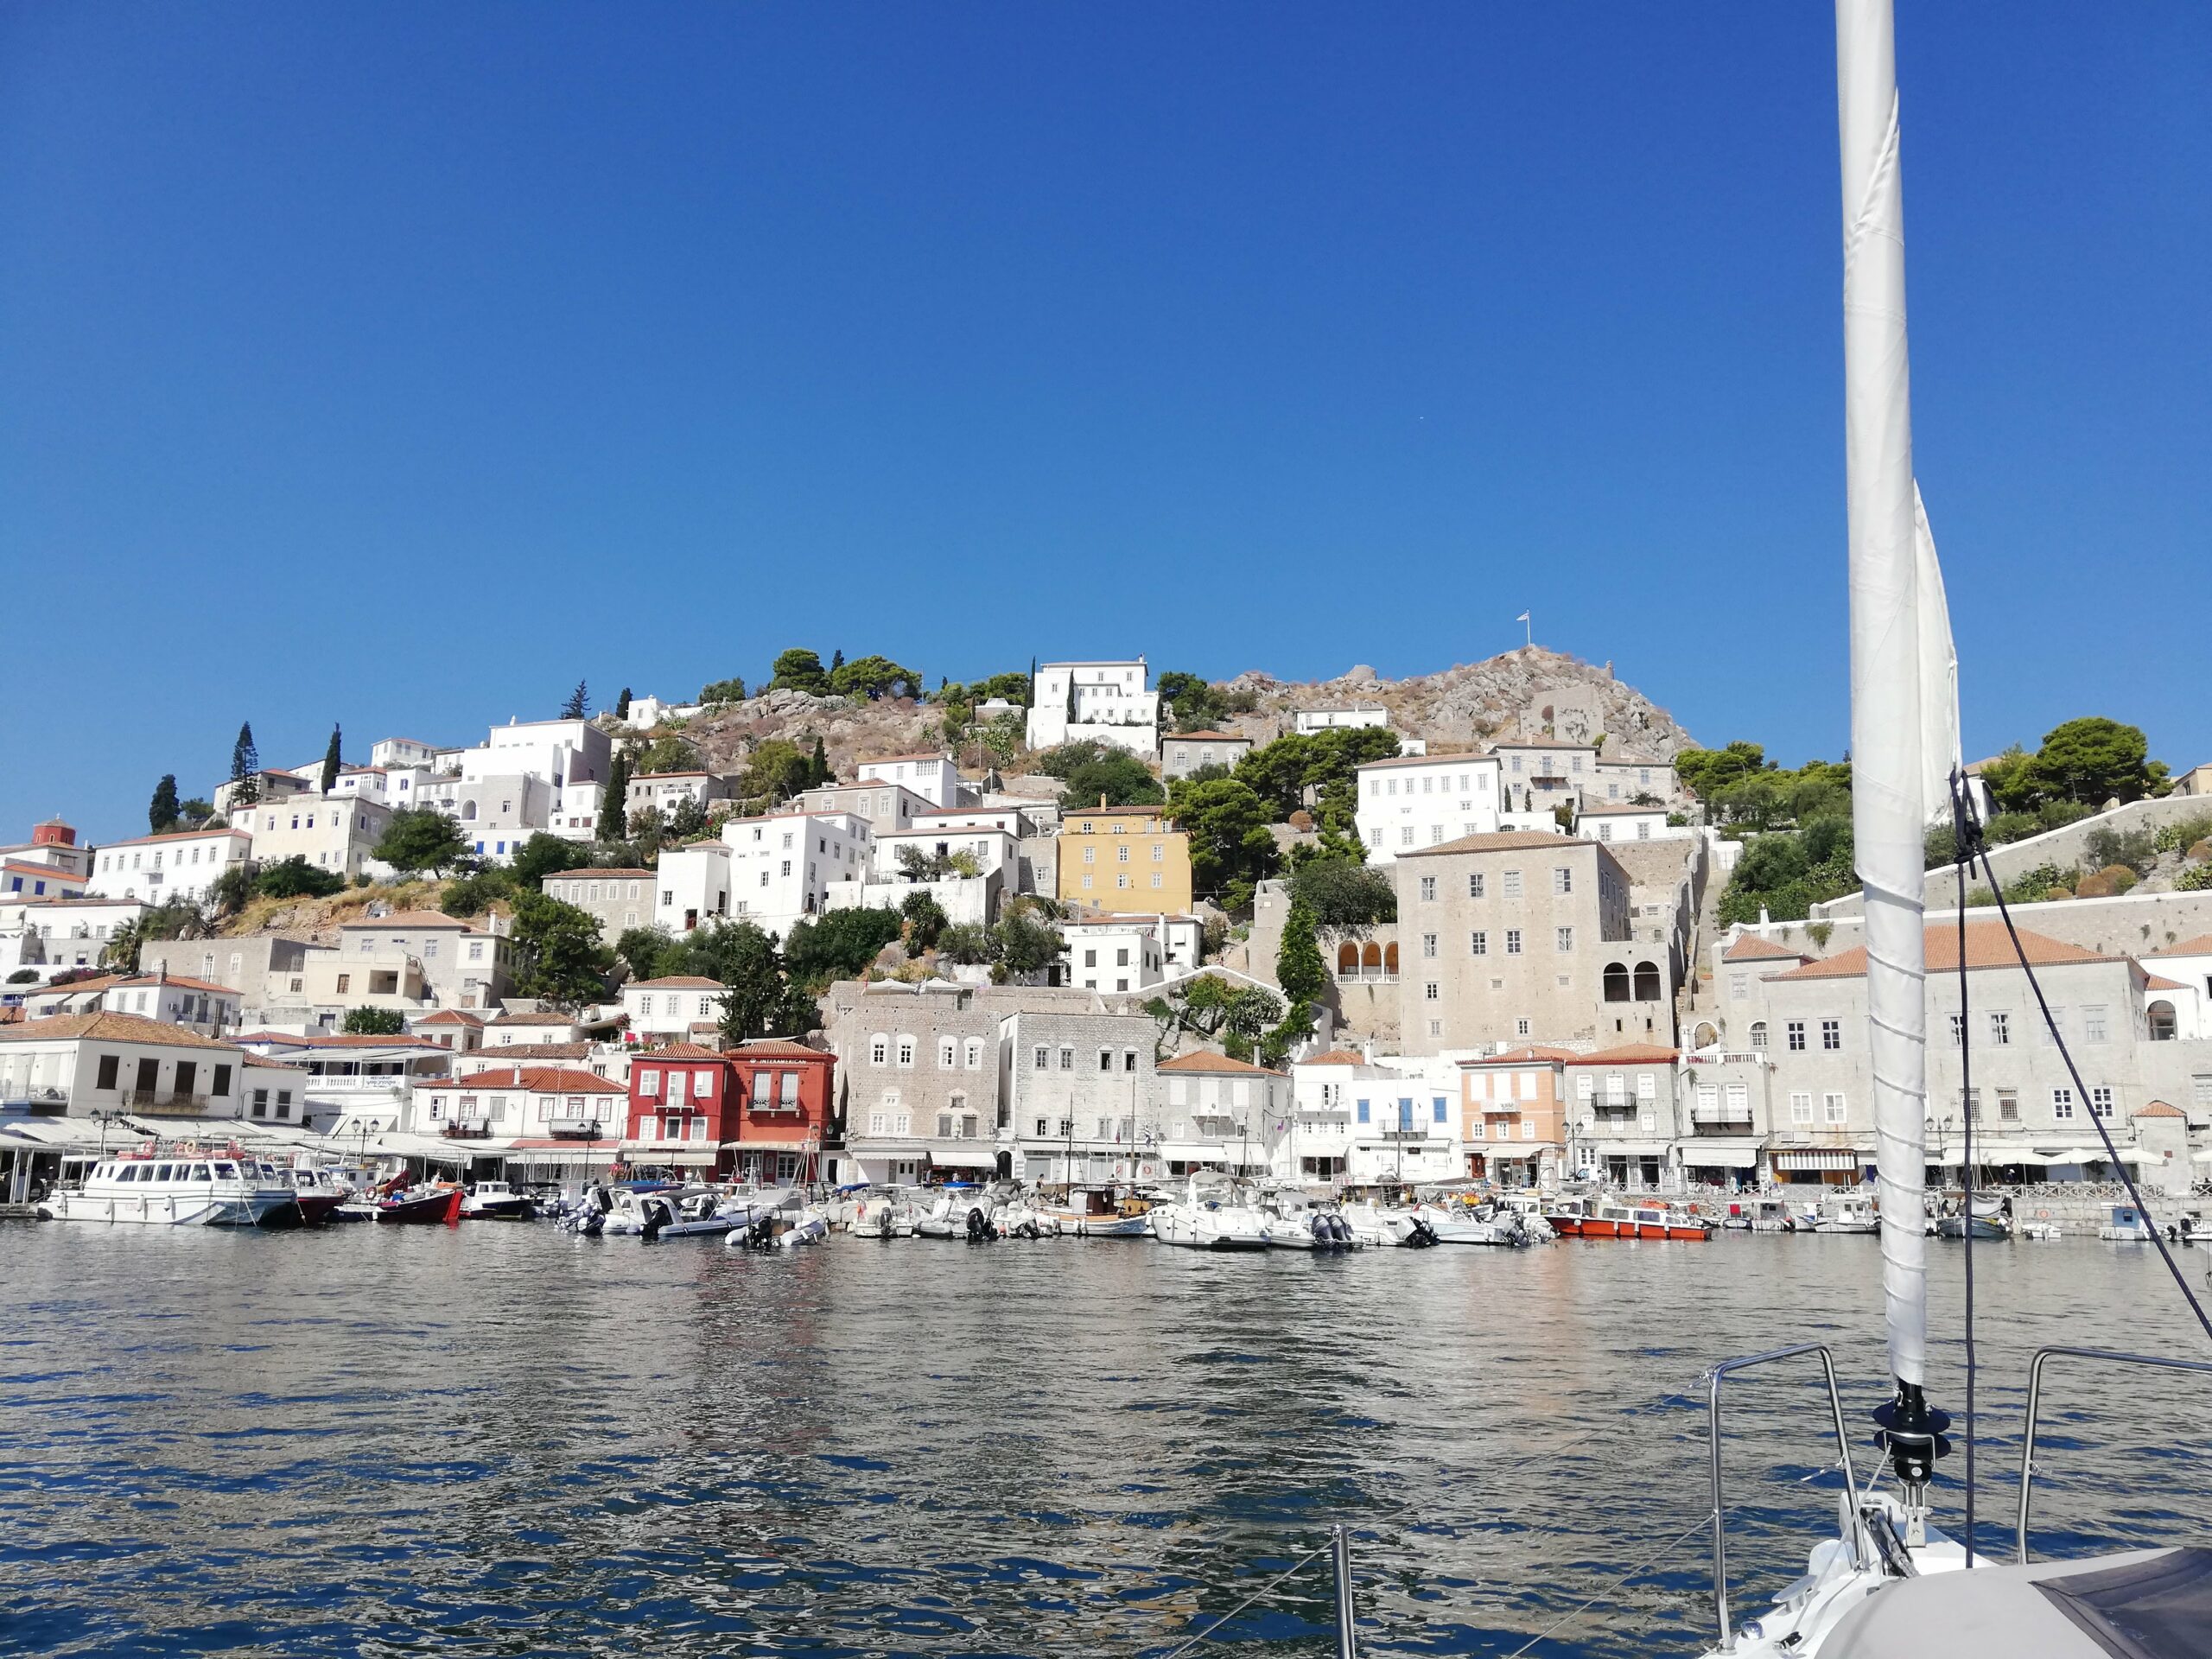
(1531, 693)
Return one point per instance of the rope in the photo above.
(1965, 834)
(2082, 1094)
(1303, 1561)
(1702, 1523)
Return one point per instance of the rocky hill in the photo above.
(1531, 693)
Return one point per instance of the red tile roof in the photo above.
(1420, 760)
(149, 980)
(676, 982)
(775, 1048)
(539, 1080)
(168, 835)
(412, 920)
(450, 1017)
(1529, 1055)
(1206, 1060)
(2159, 1109)
(1205, 737)
(2199, 946)
(1749, 947)
(1987, 946)
(679, 1052)
(2159, 982)
(1337, 1057)
(1626, 1054)
(1503, 840)
(110, 1027)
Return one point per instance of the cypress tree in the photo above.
(1299, 969)
(161, 813)
(331, 763)
(245, 767)
(622, 704)
(615, 798)
(819, 771)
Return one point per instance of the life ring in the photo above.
(2042, 1214)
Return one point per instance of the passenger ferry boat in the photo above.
(180, 1188)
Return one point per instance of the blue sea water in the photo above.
(499, 1439)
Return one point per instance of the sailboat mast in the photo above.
(1889, 810)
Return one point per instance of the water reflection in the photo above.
(394, 1441)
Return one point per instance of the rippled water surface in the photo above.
(499, 1439)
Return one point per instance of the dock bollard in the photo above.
(1343, 1554)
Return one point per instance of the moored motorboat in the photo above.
(1210, 1215)
(1851, 1215)
(496, 1201)
(179, 1188)
(1760, 1214)
(2125, 1225)
(322, 1196)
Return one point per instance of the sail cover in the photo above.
(1904, 675)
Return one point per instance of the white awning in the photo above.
(982, 1157)
(1824, 1158)
(679, 1159)
(1699, 1154)
(1194, 1151)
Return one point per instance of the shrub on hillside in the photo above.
(2198, 878)
(2120, 877)
(2106, 846)
(2183, 832)
(2095, 885)
(2201, 853)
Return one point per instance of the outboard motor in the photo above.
(1423, 1236)
(593, 1224)
(761, 1235)
(979, 1227)
(657, 1216)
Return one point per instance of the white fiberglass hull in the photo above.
(189, 1208)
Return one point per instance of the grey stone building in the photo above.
(1083, 1094)
(617, 900)
(1523, 936)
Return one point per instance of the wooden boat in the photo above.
(1655, 1221)
(421, 1206)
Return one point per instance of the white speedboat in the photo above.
(1292, 1222)
(1851, 1215)
(161, 1189)
(960, 1212)
(1210, 1215)
(882, 1212)
(1529, 1207)
(1375, 1225)
(1464, 1223)
(2125, 1225)
(1760, 1214)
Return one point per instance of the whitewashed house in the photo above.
(1417, 801)
(183, 864)
(1105, 700)
(332, 833)
(667, 1008)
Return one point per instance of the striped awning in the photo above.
(1825, 1158)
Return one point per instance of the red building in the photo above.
(760, 1111)
(784, 1091)
(680, 1110)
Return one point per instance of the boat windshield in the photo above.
(226, 1171)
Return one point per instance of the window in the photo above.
(1801, 1108)
(946, 1049)
(1564, 938)
(2008, 1105)
(1362, 1113)
(1512, 941)
(878, 1049)
(1441, 1111)
(1831, 1033)
(1429, 944)
(1794, 1030)
(1562, 881)
(1475, 886)
(1128, 1059)
(2100, 1102)
(648, 1083)
(975, 1051)
(2001, 1027)
(2062, 1104)
(1973, 1100)
(1428, 992)
(1832, 1107)
(109, 1063)
(345, 981)
(1758, 1034)
(1478, 944)
(1067, 1059)
(1041, 1059)
(1521, 1027)
(906, 1049)
(1105, 1059)
(1428, 889)
(2093, 1025)
(1513, 884)
(1958, 1029)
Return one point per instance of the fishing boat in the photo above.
(1890, 1583)
(432, 1205)
(190, 1188)
(1759, 1215)
(495, 1201)
(1851, 1215)
(1990, 1218)
(2125, 1225)
(1619, 1220)
(322, 1196)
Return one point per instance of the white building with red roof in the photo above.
(183, 864)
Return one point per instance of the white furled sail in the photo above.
(1894, 624)
(1941, 752)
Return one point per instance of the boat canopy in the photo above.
(2152, 1604)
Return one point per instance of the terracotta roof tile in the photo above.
(507, 1053)
(1337, 1057)
(1206, 1060)
(149, 980)
(450, 1017)
(679, 1052)
(110, 1027)
(2159, 1109)
(1529, 1055)
(412, 920)
(775, 1048)
(594, 871)
(1205, 737)
(1749, 947)
(1987, 946)
(1626, 1054)
(676, 982)
(539, 1080)
(1420, 760)
(1503, 840)
(168, 835)
(2199, 946)
(2159, 982)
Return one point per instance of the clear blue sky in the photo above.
(402, 364)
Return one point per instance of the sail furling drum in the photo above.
(1904, 708)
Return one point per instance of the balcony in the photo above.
(467, 1129)
(1723, 1115)
(37, 1101)
(155, 1103)
(576, 1129)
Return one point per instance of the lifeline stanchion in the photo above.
(1342, 1553)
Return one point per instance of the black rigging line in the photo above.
(2082, 1094)
(1965, 834)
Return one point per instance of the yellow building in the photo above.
(1123, 858)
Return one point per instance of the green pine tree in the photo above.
(574, 708)
(614, 805)
(331, 763)
(622, 704)
(1299, 968)
(245, 767)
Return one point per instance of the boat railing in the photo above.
(1338, 1550)
(2099, 1355)
(1714, 1378)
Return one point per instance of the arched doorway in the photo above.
(1616, 981)
(2161, 1018)
(1348, 960)
(1006, 1165)
(1647, 982)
